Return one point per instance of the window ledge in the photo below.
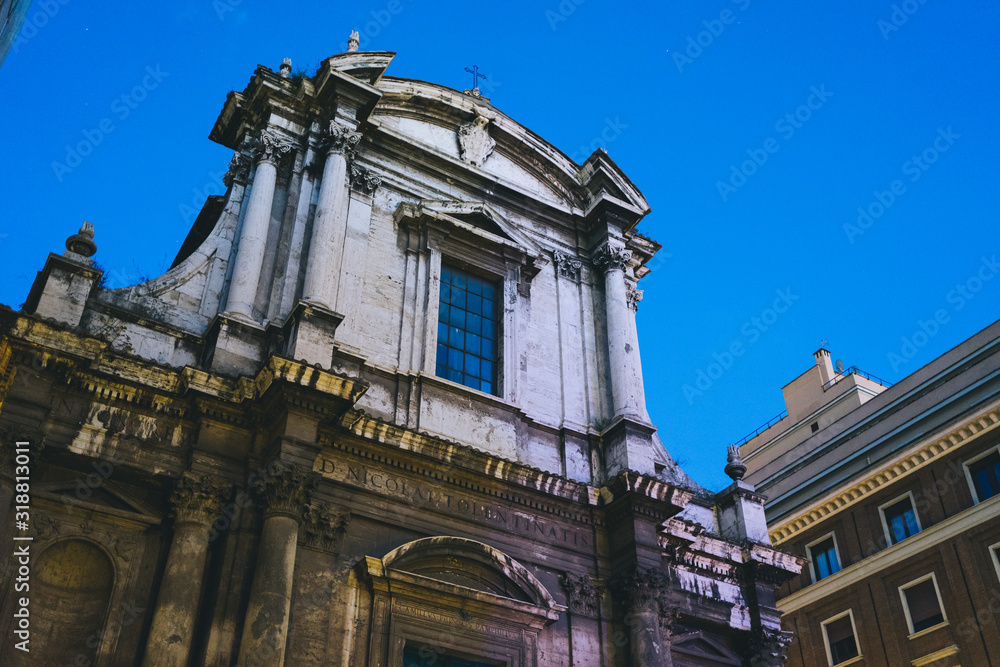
(473, 393)
(927, 631)
(852, 661)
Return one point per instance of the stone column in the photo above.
(364, 183)
(628, 398)
(648, 616)
(326, 246)
(285, 494)
(268, 149)
(196, 501)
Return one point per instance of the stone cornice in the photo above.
(906, 463)
(468, 461)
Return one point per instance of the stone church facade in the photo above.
(385, 409)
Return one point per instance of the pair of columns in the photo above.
(329, 225)
(285, 493)
(621, 302)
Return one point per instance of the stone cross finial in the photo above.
(735, 467)
(286, 68)
(354, 41)
(82, 243)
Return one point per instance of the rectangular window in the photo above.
(425, 657)
(985, 475)
(841, 640)
(823, 558)
(467, 347)
(900, 519)
(922, 604)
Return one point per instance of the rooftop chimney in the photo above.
(825, 364)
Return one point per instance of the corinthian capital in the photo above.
(364, 180)
(641, 590)
(340, 139)
(284, 489)
(567, 266)
(269, 146)
(769, 647)
(633, 295)
(609, 258)
(581, 594)
(322, 526)
(239, 170)
(197, 499)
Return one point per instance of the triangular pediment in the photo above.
(699, 648)
(94, 492)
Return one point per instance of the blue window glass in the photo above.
(986, 476)
(901, 520)
(824, 558)
(467, 330)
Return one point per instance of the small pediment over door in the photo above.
(699, 649)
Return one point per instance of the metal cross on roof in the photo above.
(476, 76)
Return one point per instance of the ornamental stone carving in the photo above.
(581, 594)
(567, 265)
(768, 648)
(197, 499)
(269, 146)
(364, 180)
(285, 489)
(474, 141)
(611, 258)
(633, 296)
(239, 170)
(340, 139)
(643, 590)
(322, 526)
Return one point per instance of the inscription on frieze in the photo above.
(420, 494)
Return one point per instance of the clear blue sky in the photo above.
(677, 116)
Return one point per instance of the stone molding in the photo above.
(338, 138)
(610, 258)
(581, 594)
(567, 266)
(197, 499)
(768, 647)
(269, 146)
(322, 526)
(364, 180)
(474, 140)
(286, 491)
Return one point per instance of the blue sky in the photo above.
(755, 131)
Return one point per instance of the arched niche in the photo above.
(457, 597)
(72, 581)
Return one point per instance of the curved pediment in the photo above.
(469, 131)
(471, 564)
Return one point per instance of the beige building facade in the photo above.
(892, 500)
(385, 409)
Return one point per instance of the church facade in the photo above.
(386, 408)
